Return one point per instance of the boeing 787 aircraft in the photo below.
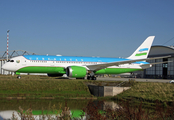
(79, 67)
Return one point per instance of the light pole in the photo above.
(7, 42)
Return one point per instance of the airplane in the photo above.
(80, 67)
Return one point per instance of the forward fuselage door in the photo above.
(24, 62)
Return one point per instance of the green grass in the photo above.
(150, 92)
(41, 86)
(38, 104)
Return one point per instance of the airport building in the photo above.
(164, 70)
(2, 61)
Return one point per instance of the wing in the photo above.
(105, 65)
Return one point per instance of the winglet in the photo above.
(143, 50)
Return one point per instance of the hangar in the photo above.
(165, 70)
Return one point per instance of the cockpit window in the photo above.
(10, 61)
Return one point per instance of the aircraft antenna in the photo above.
(7, 42)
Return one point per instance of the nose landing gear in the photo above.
(18, 73)
(19, 77)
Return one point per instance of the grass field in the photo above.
(150, 92)
(41, 86)
(42, 104)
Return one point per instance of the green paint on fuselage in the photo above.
(116, 70)
(40, 69)
(61, 70)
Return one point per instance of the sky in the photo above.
(105, 28)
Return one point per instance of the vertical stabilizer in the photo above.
(143, 50)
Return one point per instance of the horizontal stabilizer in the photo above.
(157, 63)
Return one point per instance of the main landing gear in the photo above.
(91, 77)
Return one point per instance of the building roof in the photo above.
(159, 50)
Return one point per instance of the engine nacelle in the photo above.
(76, 72)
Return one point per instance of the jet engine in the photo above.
(76, 71)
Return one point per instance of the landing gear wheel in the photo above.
(91, 78)
(88, 77)
(19, 77)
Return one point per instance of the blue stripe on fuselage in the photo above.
(77, 59)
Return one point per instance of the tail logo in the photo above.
(142, 51)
